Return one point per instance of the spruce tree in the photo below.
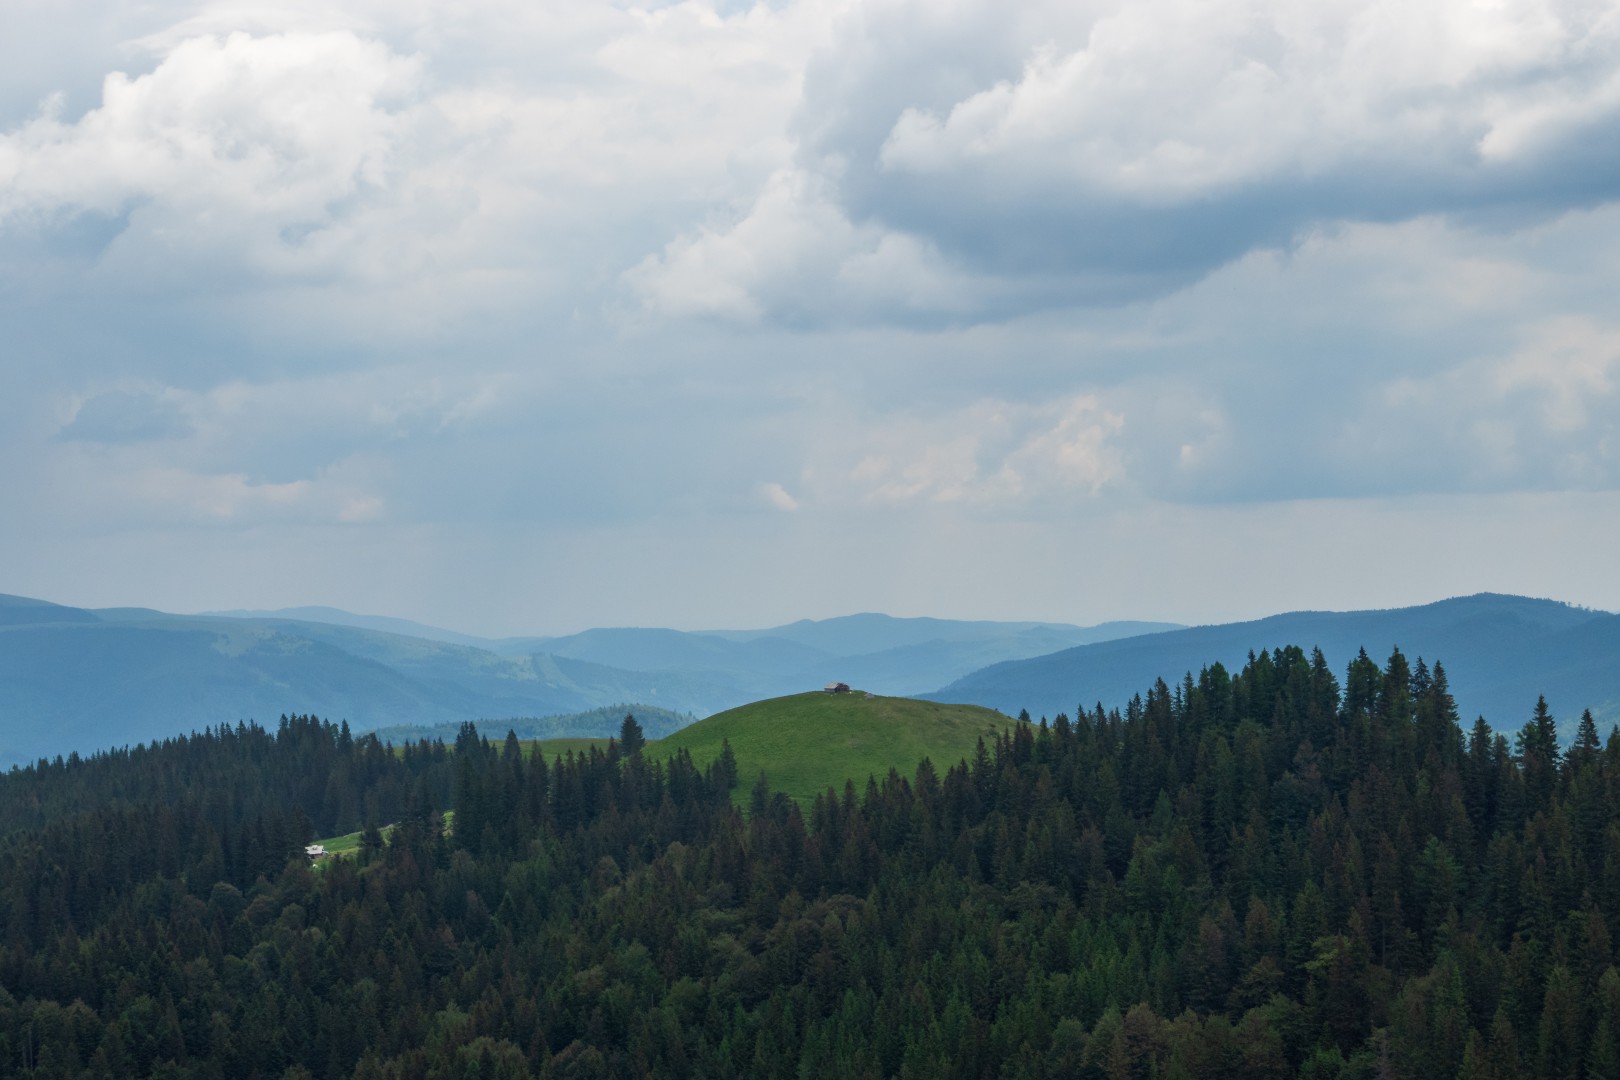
(631, 738)
(1537, 750)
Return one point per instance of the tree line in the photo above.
(1262, 874)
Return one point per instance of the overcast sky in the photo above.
(534, 315)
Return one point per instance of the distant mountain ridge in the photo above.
(1500, 652)
(80, 679)
(386, 624)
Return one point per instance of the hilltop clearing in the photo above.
(806, 743)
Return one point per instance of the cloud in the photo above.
(377, 172)
(794, 256)
(228, 139)
(1545, 415)
(138, 492)
(776, 495)
(328, 448)
(121, 416)
(375, 169)
(1100, 153)
(996, 455)
(812, 276)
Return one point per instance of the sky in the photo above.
(526, 316)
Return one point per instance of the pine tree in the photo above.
(1559, 1049)
(371, 841)
(631, 738)
(1586, 749)
(1504, 1047)
(1603, 1057)
(725, 769)
(1476, 1061)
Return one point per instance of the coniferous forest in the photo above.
(1266, 874)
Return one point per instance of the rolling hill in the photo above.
(1499, 653)
(806, 743)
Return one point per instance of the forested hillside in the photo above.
(1506, 651)
(1267, 874)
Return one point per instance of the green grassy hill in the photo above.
(807, 743)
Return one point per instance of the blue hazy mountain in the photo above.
(338, 617)
(876, 652)
(883, 653)
(1499, 653)
(75, 679)
(651, 649)
(870, 632)
(81, 680)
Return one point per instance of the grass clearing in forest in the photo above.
(806, 743)
(555, 748)
(349, 843)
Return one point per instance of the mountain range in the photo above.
(75, 679)
(1499, 653)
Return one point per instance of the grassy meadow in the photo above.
(806, 743)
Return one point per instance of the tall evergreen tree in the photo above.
(1537, 750)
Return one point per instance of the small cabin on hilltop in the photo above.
(836, 688)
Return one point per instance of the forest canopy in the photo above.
(1262, 874)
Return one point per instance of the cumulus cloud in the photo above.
(1101, 152)
(326, 448)
(815, 162)
(371, 170)
(1166, 102)
(1546, 414)
(991, 454)
(880, 266)
(227, 139)
(794, 256)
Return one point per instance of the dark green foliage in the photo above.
(592, 724)
(1239, 875)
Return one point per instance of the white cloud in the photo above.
(386, 168)
(1169, 100)
(794, 254)
(776, 495)
(1151, 141)
(961, 162)
(1546, 415)
(992, 454)
(378, 170)
(143, 491)
(530, 265)
(1567, 371)
(271, 128)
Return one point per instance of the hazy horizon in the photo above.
(309, 612)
